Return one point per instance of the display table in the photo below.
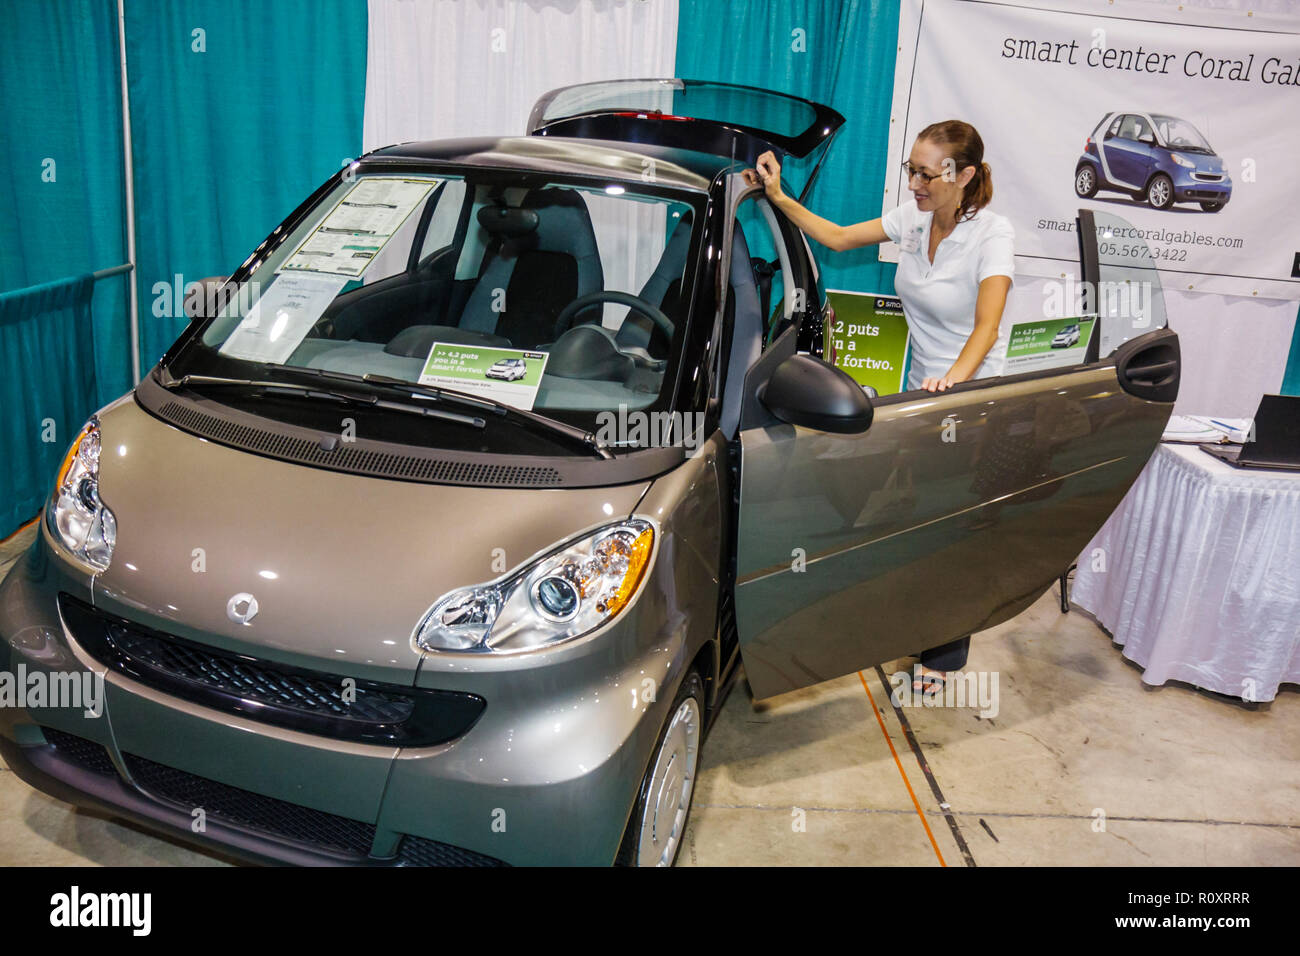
(1201, 580)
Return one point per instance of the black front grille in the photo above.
(304, 826)
(417, 851)
(330, 705)
(78, 750)
(252, 680)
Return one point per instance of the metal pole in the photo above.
(114, 271)
(129, 173)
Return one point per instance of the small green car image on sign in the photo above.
(510, 370)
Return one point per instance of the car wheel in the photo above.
(1213, 206)
(1085, 181)
(654, 832)
(1160, 191)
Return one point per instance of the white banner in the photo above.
(459, 68)
(1186, 130)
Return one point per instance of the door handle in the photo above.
(1150, 369)
(1150, 374)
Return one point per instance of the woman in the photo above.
(955, 268)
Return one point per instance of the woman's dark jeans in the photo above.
(947, 657)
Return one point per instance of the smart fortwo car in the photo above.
(510, 370)
(1066, 337)
(1154, 158)
(350, 607)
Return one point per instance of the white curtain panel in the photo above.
(449, 68)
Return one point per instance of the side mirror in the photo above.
(806, 391)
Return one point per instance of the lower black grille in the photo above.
(84, 753)
(304, 826)
(330, 705)
(417, 851)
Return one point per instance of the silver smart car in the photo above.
(353, 602)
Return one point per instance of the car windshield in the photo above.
(559, 295)
(1180, 134)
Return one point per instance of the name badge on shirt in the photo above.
(912, 241)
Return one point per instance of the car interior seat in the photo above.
(746, 331)
(662, 289)
(542, 262)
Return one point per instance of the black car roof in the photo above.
(682, 168)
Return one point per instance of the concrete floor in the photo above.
(1083, 764)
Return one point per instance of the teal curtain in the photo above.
(838, 52)
(239, 109)
(61, 162)
(1291, 378)
(48, 327)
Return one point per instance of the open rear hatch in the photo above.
(719, 118)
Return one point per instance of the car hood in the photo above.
(342, 566)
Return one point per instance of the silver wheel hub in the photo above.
(671, 782)
(1084, 181)
(1159, 192)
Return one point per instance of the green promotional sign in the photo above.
(1048, 343)
(870, 339)
(506, 375)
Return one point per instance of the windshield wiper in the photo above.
(307, 391)
(434, 393)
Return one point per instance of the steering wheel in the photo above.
(635, 303)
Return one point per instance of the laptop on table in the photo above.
(1277, 437)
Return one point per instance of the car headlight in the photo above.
(569, 592)
(75, 514)
(1183, 162)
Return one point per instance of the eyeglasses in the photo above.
(915, 173)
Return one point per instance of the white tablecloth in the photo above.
(1202, 574)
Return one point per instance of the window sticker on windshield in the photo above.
(358, 228)
(511, 376)
(1048, 343)
(283, 315)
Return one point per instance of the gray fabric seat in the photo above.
(662, 289)
(540, 272)
(746, 335)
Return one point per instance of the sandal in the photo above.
(927, 683)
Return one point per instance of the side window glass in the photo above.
(1114, 126)
(442, 227)
(1128, 128)
(1128, 300)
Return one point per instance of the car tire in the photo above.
(663, 804)
(1213, 206)
(1085, 181)
(1160, 191)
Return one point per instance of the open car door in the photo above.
(953, 511)
(719, 118)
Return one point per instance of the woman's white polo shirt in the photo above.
(939, 299)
